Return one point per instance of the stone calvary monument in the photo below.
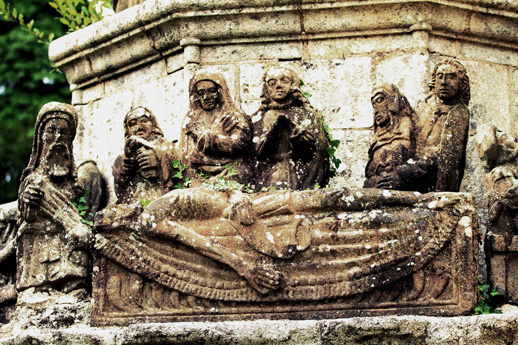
(218, 128)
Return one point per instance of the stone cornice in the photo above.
(154, 30)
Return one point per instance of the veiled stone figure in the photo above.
(144, 170)
(394, 142)
(441, 136)
(51, 238)
(216, 135)
(289, 137)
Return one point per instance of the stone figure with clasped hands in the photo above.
(289, 137)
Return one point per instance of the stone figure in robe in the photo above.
(289, 137)
(216, 135)
(144, 170)
(51, 239)
(394, 142)
(498, 151)
(441, 135)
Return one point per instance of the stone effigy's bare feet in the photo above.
(263, 279)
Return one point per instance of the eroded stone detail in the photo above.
(289, 137)
(498, 150)
(51, 239)
(216, 134)
(285, 251)
(144, 171)
(441, 135)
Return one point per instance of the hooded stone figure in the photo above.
(393, 143)
(51, 238)
(289, 137)
(144, 170)
(216, 136)
(441, 135)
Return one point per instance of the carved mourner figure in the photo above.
(215, 132)
(51, 237)
(393, 134)
(289, 137)
(144, 170)
(441, 136)
(499, 152)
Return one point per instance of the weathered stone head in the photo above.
(140, 122)
(209, 91)
(388, 102)
(52, 148)
(281, 89)
(450, 82)
(495, 147)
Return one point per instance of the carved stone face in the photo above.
(278, 83)
(55, 147)
(207, 94)
(381, 109)
(140, 125)
(447, 83)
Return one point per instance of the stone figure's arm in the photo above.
(124, 170)
(410, 175)
(31, 197)
(229, 135)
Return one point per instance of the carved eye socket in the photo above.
(271, 82)
(380, 99)
(286, 79)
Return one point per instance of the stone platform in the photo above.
(395, 330)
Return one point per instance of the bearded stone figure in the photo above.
(441, 135)
(394, 142)
(144, 169)
(52, 240)
(289, 137)
(216, 134)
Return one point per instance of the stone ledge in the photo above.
(152, 31)
(484, 329)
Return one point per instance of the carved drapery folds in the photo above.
(440, 135)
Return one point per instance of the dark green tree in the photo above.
(27, 81)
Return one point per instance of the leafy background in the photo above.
(27, 82)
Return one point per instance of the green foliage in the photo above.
(486, 304)
(184, 181)
(306, 94)
(78, 14)
(223, 184)
(333, 145)
(15, 16)
(79, 202)
(145, 202)
(27, 82)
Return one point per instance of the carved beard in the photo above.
(57, 160)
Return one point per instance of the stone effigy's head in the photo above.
(281, 87)
(140, 122)
(450, 82)
(52, 149)
(208, 91)
(387, 103)
(495, 147)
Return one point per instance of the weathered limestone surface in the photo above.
(395, 330)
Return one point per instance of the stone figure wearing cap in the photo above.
(144, 170)
(394, 142)
(216, 134)
(52, 240)
(289, 137)
(441, 135)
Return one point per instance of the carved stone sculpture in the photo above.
(51, 239)
(121, 5)
(441, 135)
(89, 177)
(289, 137)
(144, 170)
(499, 152)
(199, 254)
(216, 134)
(394, 142)
(8, 220)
